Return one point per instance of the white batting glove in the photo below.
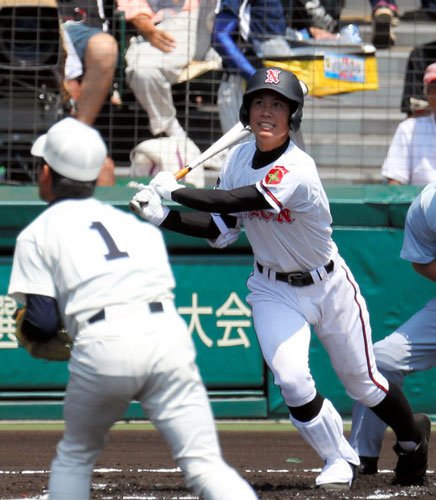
(165, 183)
(148, 204)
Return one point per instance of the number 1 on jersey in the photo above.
(114, 251)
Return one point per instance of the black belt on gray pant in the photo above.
(153, 306)
(298, 278)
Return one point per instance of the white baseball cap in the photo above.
(72, 149)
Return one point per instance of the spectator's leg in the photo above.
(154, 93)
(384, 15)
(151, 73)
(100, 63)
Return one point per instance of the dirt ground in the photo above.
(138, 465)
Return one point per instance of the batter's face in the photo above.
(269, 116)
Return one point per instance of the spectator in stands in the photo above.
(411, 158)
(413, 101)
(165, 45)
(92, 55)
(239, 31)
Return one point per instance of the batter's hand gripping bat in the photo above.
(232, 136)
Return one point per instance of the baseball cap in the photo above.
(429, 75)
(72, 149)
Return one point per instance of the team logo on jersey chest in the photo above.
(275, 175)
(272, 76)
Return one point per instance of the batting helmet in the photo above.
(278, 80)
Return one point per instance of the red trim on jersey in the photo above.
(268, 192)
(365, 335)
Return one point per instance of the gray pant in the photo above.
(411, 348)
(150, 72)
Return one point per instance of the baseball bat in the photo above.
(232, 136)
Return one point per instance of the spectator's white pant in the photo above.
(151, 72)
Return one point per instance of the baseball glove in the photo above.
(58, 348)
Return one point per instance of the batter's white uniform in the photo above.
(92, 258)
(412, 347)
(295, 235)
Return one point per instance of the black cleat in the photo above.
(412, 465)
(368, 465)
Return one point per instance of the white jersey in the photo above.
(89, 255)
(295, 234)
(411, 158)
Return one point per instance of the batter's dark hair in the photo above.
(64, 187)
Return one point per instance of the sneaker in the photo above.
(412, 466)
(382, 35)
(337, 475)
(368, 465)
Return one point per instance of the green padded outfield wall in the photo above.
(210, 295)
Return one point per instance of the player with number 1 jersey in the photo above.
(108, 277)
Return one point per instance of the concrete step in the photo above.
(391, 63)
(406, 34)
(351, 150)
(387, 96)
(349, 174)
(387, 87)
(347, 156)
(365, 121)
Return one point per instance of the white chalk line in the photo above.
(377, 495)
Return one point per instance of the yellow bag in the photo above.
(333, 73)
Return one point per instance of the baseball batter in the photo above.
(412, 347)
(299, 278)
(107, 276)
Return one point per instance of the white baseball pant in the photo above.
(149, 358)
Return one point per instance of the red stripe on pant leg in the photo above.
(365, 336)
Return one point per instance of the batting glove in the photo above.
(165, 184)
(148, 204)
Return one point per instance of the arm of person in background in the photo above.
(225, 26)
(426, 270)
(321, 34)
(420, 232)
(322, 24)
(139, 13)
(42, 318)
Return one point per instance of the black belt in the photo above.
(154, 308)
(298, 278)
